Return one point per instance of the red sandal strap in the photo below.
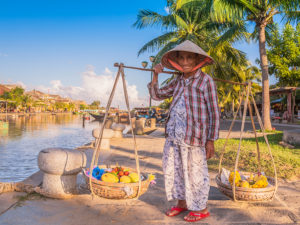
(201, 215)
(197, 216)
(176, 208)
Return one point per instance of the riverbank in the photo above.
(32, 113)
(22, 208)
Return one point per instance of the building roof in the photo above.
(4, 88)
(281, 90)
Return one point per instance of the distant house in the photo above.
(12, 86)
(3, 89)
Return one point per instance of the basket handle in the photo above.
(229, 131)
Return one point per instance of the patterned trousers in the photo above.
(186, 174)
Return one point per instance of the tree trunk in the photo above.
(293, 105)
(265, 78)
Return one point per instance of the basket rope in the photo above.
(96, 152)
(133, 135)
(256, 138)
(267, 142)
(229, 131)
(241, 136)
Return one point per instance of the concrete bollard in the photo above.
(153, 123)
(139, 127)
(107, 135)
(109, 123)
(60, 167)
(133, 119)
(118, 130)
(291, 136)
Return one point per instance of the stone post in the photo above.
(153, 123)
(60, 167)
(118, 130)
(107, 135)
(109, 123)
(139, 127)
(133, 119)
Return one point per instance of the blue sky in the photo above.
(51, 45)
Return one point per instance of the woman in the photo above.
(191, 129)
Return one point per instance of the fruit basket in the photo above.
(115, 189)
(246, 193)
(233, 185)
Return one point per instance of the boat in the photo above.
(99, 117)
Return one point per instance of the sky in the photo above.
(69, 47)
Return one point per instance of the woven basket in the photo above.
(117, 190)
(248, 194)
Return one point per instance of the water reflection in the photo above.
(27, 135)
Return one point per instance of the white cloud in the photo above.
(97, 87)
(167, 9)
(20, 83)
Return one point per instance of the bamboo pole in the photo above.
(178, 73)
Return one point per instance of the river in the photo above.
(28, 135)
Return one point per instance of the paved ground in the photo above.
(19, 208)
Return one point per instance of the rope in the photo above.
(266, 139)
(256, 140)
(134, 139)
(228, 134)
(241, 136)
(99, 139)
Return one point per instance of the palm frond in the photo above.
(147, 18)
(291, 16)
(237, 32)
(270, 28)
(157, 43)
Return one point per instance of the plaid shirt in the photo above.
(201, 103)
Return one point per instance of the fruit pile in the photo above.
(116, 175)
(253, 181)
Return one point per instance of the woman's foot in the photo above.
(194, 216)
(174, 211)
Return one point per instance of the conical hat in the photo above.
(169, 60)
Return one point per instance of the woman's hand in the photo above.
(158, 68)
(210, 149)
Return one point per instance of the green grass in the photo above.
(287, 161)
(28, 197)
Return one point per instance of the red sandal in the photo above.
(176, 208)
(196, 216)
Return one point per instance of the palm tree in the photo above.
(229, 94)
(191, 24)
(243, 13)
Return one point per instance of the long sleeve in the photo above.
(211, 100)
(159, 94)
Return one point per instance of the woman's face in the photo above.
(187, 60)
